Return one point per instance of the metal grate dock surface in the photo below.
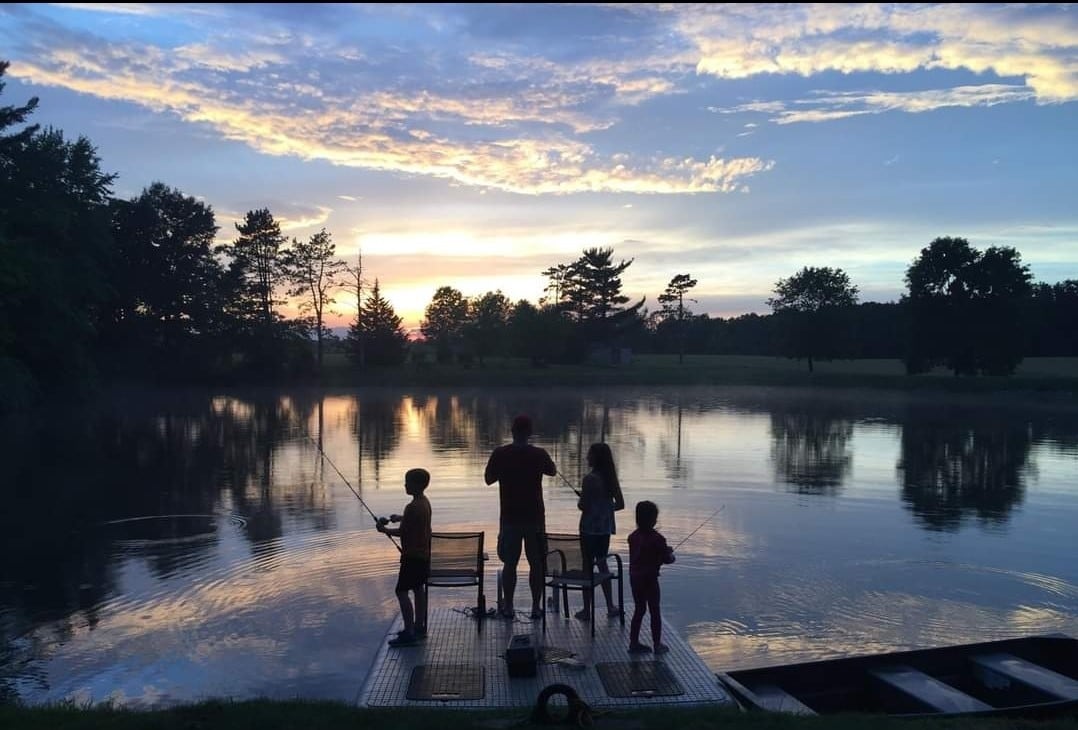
(453, 640)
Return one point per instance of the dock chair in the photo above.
(565, 571)
(456, 561)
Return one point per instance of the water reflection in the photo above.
(950, 472)
(810, 450)
(121, 572)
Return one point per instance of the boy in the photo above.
(414, 533)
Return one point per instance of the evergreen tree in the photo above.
(674, 309)
(256, 255)
(378, 327)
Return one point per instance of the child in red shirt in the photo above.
(648, 552)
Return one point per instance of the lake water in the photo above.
(173, 546)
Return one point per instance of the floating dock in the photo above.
(463, 664)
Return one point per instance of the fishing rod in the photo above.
(377, 520)
(569, 484)
(709, 518)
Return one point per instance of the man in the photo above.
(519, 468)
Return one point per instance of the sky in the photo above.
(476, 145)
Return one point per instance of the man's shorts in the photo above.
(413, 574)
(510, 538)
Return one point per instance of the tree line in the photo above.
(93, 287)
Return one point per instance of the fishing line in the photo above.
(342, 476)
(709, 518)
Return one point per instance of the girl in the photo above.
(600, 498)
(648, 552)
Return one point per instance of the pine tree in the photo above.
(378, 327)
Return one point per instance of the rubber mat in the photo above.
(447, 682)
(638, 679)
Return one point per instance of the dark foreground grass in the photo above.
(1034, 375)
(268, 715)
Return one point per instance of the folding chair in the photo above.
(456, 561)
(565, 571)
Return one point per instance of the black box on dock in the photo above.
(521, 657)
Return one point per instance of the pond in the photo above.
(169, 546)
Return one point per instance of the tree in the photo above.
(594, 293)
(489, 317)
(55, 250)
(314, 270)
(169, 286)
(378, 327)
(673, 301)
(811, 304)
(356, 274)
(256, 256)
(966, 308)
(444, 320)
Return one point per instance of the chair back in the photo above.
(567, 545)
(456, 557)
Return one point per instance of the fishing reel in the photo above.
(383, 521)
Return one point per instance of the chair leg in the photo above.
(592, 612)
(542, 606)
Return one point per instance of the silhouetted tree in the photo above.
(487, 322)
(379, 328)
(358, 282)
(812, 303)
(444, 320)
(1054, 319)
(314, 270)
(673, 309)
(170, 301)
(256, 254)
(55, 248)
(966, 308)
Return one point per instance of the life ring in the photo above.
(579, 712)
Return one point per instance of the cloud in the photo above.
(526, 143)
(1036, 43)
(825, 107)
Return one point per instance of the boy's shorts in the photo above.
(413, 573)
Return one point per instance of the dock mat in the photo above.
(638, 679)
(447, 682)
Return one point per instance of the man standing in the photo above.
(519, 468)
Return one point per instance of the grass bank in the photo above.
(1058, 375)
(269, 715)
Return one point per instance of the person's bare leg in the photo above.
(535, 579)
(420, 610)
(406, 611)
(509, 586)
(603, 568)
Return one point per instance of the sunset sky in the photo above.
(475, 146)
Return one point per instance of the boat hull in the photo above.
(1033, 676)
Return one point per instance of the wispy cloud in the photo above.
(824, 107)
(1036, 43)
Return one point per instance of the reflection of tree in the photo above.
(376, 421)
(677, 471)
(810, 450)
(952, 470)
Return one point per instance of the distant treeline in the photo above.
(95, 288)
